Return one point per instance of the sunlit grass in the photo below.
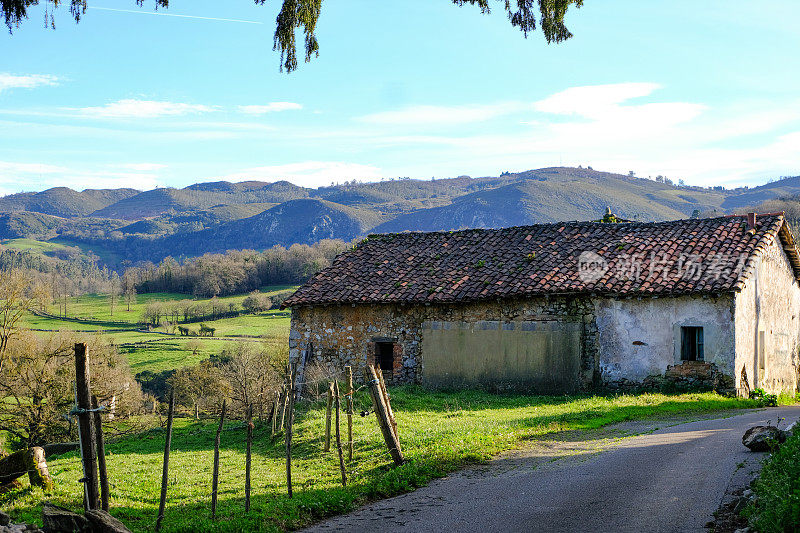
(155, 351)
(439, 432)
(32, 245)
(269, 324)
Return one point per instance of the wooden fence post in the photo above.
(215, 478)
(378, 402)
(248, 458)
(389, 410)
(289, 421)
(283, 401)
(327, 446)
(348, 370)
(338, 434)
(165, 470)
(275, 413)
(83, 396)
(101, 455)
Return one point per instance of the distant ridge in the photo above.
(129, 226)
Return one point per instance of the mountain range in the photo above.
(126, 225)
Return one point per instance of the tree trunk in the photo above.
(31, 462)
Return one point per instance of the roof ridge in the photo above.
(573, 223)
(685, 256)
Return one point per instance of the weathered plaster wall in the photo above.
(638, 338)
(769, 302)
(345, 334)
(542, 356)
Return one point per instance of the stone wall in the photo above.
(623, 342)
(768, 308)
(346, 334)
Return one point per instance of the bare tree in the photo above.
(252, 374)
(36, 385)
(18, 294)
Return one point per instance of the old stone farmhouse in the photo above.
(563, 307)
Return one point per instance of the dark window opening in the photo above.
(384, 355)
(692, 343)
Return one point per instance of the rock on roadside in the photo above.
(763, 438)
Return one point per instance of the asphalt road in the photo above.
(667, 480)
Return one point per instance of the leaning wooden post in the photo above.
(248, 458)
(289, 420)
(389, 410)
(215, 478)
(165, 470)
(327, 446)
(379, 404)
(83, 396)
(101, 455)
(338, 435)
(348, 370)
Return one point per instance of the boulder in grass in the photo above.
(102, 522)
(763, 438)
(59, 520)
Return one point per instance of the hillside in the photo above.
(63, 201)
(296, 221)
(783, 188)
(128, 226)
(200, 196)
(551, 195)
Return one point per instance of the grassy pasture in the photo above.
(156, 351)
(273, 323)
(31, 245)
(440, 432)
(96, 306)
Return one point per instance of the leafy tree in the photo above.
(304, 14)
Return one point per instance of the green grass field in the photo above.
(96, 306)
(439, 432)
(269, 324)
(31, 245)
(155, 351)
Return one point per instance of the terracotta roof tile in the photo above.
(677, 257)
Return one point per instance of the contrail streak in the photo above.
(173, 15)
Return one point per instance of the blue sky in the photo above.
(703, 91)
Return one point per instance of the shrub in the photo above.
(764, 399)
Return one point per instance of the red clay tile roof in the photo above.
(705, 256)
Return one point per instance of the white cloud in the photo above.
(29, 81)
(271, 107)
(588, 100)
(143, 167)
(11, 169)
(307, 173)
(445, 115)
(132, 108)
(15, 176)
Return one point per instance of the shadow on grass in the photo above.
(427, 459)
